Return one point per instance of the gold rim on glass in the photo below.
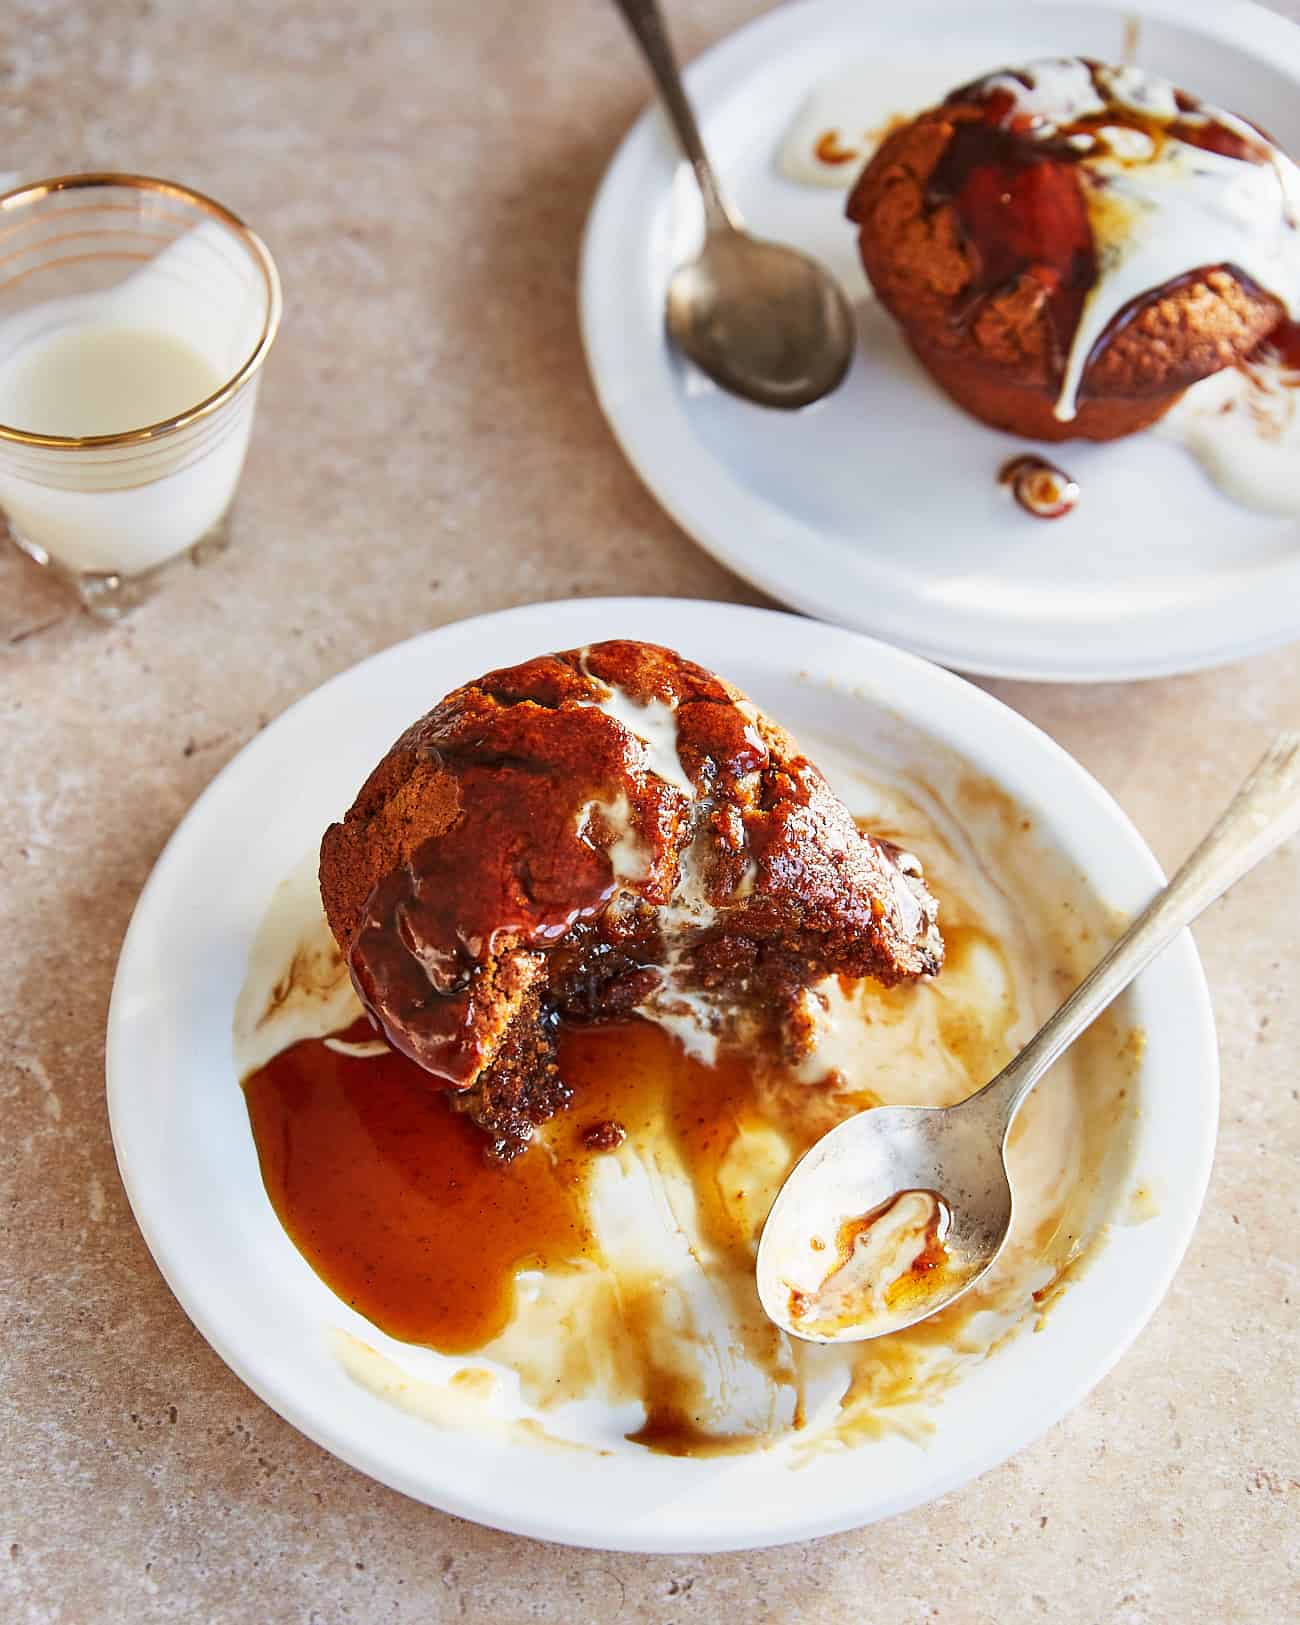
(261, 255)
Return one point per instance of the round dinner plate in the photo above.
(188, 1162)
(879, 507)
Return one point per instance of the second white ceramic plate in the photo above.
(187, 1157)
(879, 507)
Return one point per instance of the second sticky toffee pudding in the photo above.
(1069, 245)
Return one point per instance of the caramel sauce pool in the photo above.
(387, 1193)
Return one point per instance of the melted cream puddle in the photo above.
(1243, 426)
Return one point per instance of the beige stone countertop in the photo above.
(428, 447)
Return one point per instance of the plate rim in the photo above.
(708, 504)
(278, 1395)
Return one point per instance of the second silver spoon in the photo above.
(761, 319)
(902, 1186)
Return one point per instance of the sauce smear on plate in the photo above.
(388, 1194)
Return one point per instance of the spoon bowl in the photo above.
(762, 320)
(856, 1170)
(900, 1210)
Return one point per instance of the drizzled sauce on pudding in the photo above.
(1108, 185)
(1020, 208)
(1284, 342)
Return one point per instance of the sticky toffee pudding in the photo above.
(596, 834)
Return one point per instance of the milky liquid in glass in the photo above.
(103, 378)
(111, 363)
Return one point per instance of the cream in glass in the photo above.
(127, 395)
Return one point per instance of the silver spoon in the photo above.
(954, 1159)
(761, 319)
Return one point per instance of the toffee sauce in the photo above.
(831, 150)
(1021, 211)
(1284, 343)
(388, 1194)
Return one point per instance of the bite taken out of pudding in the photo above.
(597, 834)
(1069, 246)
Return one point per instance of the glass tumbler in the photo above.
(135, 315)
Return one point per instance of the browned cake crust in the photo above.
(993, 345)
(521, 856)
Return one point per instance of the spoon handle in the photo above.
(645, 19)
(1263, 814)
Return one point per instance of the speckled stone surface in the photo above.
(428, 448)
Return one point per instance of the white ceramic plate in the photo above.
(879, 507)
(188, 1162)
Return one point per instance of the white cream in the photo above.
(1243, 426)
(1061, 91)
(654, 724)
(158, 344)
(859, 1035)
(1134, 88)
(833, 133)
(692, 1016)
(847, 115)
(1131, 146)
(646, 1211)
(689, 908)
(629, 857)
(469, 1400)
(296, 984)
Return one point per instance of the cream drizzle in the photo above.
(1158, 212)
(654, 724)
(693, 1017)
(363, 1051)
